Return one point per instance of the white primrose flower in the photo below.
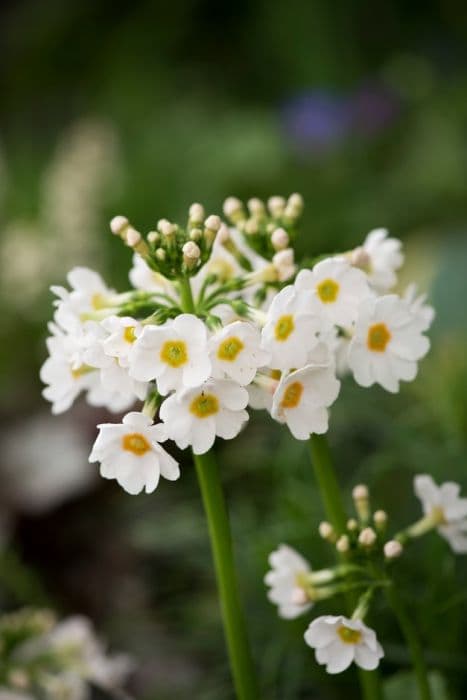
(387, 343)
(174, 354)
(380, 257)
(285, 579)
(88, 293)
(261, 390)
(424, 313)
(338, 641)
(235, 352)
(302, 398)
(291, 329)
(444, 505)
(130, 453)
(122, 332)
(337, 289)
(195, 416)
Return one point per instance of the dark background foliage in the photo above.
(142, 108)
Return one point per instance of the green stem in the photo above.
(413, 643)
(335, 512)
(221, 543)
(327, 482)
(186, 296)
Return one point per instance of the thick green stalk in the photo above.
(335, 512)
(221, 543)
(415, 648)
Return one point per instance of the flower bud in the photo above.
(160, 254)
(360, 497)
(256, 207)
(153, 237)
(367, 537)
(392, 549)
(326, 531)
(196, 234)
(360, 258)
(118, 224)
(380, 518)
(233, 209)
(276, 206)
(133, 237)
(251, 227)
(283, 261)
(196, 213)
(352, 525)
(343, 544)
(280, 239)
(191, 252)
(223, 234)
(295, 201)
(360, 492)
(213, 223)
(166, 228)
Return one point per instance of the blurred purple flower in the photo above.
(317, 121)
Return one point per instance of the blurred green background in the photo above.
(140, 109)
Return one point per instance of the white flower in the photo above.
(383, 257)
(387, 343)
(130, 453)
(175, 354)
(337, 289)
(338, 641)
(302, 398)
(235, 352)
(424, 313)
(88, 293)
(122, 333)
(291, 330)
(195, 416)
(284, 262)
(288, 569)
(447, 509)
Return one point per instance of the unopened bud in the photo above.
(191, 250)
(160, 254)
(166, 228)
(196, 234)
(233, 208)
(280, 239)
(367, 537)
(360, 258)
(196, 213)
(295, 201)
(118, 224)
(352, 525)
(133, 237)
(276, 205)
(256, 207)
(251, 227)
(213, 223)
(360, 493)
(223, 234)
(343, 544)
(326, 531)
(283, 261)
(153, 237)
(392, 549)
(380, 518)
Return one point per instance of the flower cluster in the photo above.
(42, 657)
(366, 554)
(219, 319)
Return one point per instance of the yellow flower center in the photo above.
(98, 301)
(292, 395)
(204, 405)
(136, 443)
(348, 635)
(378, 337)
(328, 291)
(229, 349)
(174, 353)
(129, 334)
(284, 327)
